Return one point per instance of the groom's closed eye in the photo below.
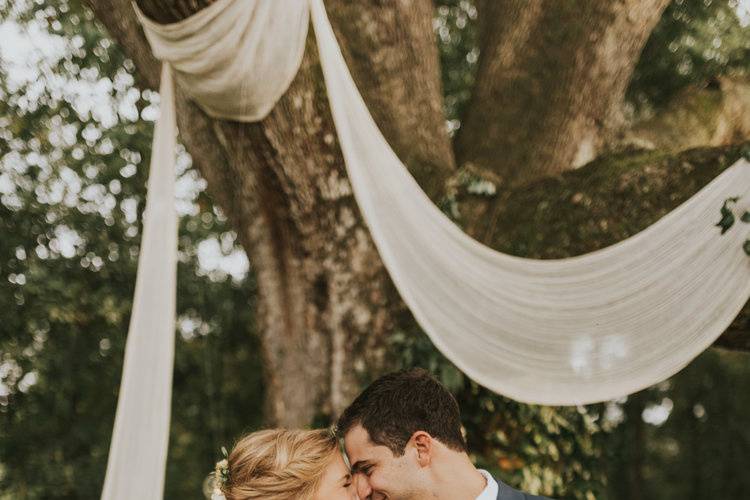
(362, 467)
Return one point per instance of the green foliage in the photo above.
(554, 451)
(694, 42)
(456, 30)
(72, 186)
(728, 219)
(727, 216)
(687, 437)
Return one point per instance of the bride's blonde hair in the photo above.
(278, 464)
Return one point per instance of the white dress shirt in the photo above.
(490, 491)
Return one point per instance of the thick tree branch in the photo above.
(598, 205)
(383, 59)
(551, 79)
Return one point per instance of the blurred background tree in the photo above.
(686, 437)
(72, 141)
(75, 132)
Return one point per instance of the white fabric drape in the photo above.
(212, 54)
(569, 331)
(248, 49)
(138, 452)
(559, 332)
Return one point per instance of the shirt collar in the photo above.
(490, 491)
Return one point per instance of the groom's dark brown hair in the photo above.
(399, 404)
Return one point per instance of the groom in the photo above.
(403, 439)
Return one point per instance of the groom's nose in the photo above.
(363, 487)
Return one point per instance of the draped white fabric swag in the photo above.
(138, 452)
(563, 332)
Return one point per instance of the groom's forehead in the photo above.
(359, 446)
(358, 437)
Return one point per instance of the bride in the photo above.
(280, 464)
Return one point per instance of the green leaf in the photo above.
(726, 222)
(746, 246)
(727, 217)
(745, 217)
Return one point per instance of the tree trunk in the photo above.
(550, 83)
(325, 299)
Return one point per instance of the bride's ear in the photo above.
(424, 446)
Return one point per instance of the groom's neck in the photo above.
(456, 478)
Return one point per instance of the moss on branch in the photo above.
(597, 205)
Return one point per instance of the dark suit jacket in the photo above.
(505, 492)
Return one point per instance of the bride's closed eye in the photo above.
(339, 484)
(347, 481)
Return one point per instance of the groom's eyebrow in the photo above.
(361, 464)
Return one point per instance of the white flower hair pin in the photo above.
(221, 476)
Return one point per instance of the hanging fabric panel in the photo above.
(138, 451)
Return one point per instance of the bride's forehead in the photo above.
(339, 462)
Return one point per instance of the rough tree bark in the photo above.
(550, 83)
(326, 303)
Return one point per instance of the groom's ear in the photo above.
(424, 445)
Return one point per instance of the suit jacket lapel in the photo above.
(505, 492)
